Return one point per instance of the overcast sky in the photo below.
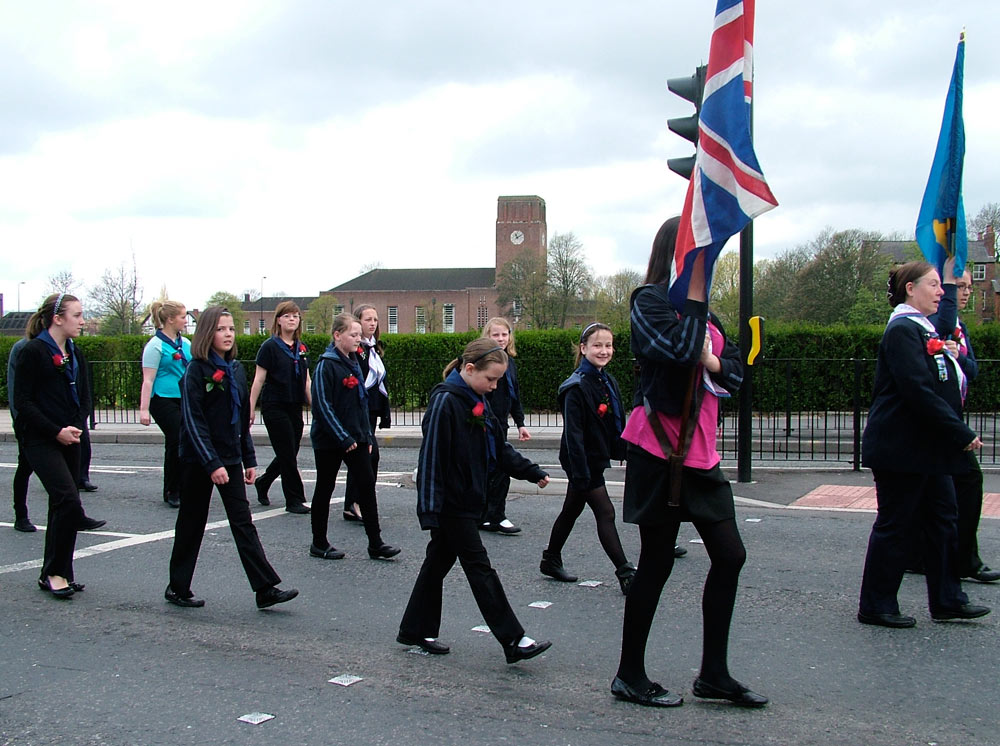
(224, 140)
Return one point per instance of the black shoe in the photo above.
(487, 526)
(965, 611)
(679, 551)
(654, 696)
(981, 574)
(78, 587)
(274, 595)
(172, 499)
(262, 488)
(297, 508)
(431, 646)
(898, 621)
(515, 653)
(351, 516)
(63, 593)
(505, 527)
(740, 695)
(625, 573)
(383, 552)
(186, 601)
(87, 524)
(330, 553)
(552, 566)
(87, 486)
(24, 525)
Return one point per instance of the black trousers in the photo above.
(458, 538)
(20, 487)
(166, 412)
(283, 423)
(196, 495)
(497, 487)
(359, 469)
(83, 468)
(969, 500)
(908, 505)
(351, 494)
(57, 467)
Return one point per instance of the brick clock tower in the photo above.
(520, 227)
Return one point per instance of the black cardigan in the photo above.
(378, 403)
(501, 401)
(208, 437)
(452, 462)
(588, 439)
(667, 346)
(43, 397)
(340, 417)
(914, 424)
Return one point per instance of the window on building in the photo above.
(448, 320)
(421, 325)
(246, 326)
(515, 309)
(338, 308)
(482, 316)
(978, 272)
(261, 326)
(393, 320)
(310, 328)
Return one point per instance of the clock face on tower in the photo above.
(517, 238)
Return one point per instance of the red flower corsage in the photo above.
(350, 382)
(934, 346)
(60, 362)
(957, 334)
(177, 356)
(361, 351)
(302, 349)
(602, 409)
(479, 415)
(216, 379)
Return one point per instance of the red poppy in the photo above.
(58, 360)
(177, 356)
(602, 409)
(957, 334)
(479, 409)
(478, 415)
(350, 382)
(934, 346)
(218, 375)
(302, 348)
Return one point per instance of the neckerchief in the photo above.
(234, 396)
(292, 352)
(905, 311)
(616, 406)
(376, 368)
(355, 367)
(177, 345)
(71, 371)
(491, 445)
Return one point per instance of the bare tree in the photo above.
(569, 275)
(523, 291)
(117, 299)
(63, 281)
(989, 215)
(612, 294)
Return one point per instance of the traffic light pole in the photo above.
(744, 421)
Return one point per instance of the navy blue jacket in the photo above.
(451, 478)
(43, 398)
(340, 414)
(914, 424)
(378, 403)
(589, 440)
(503, 402)
(666, 346)
(208, 436)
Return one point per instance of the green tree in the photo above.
(231, 302)
(319, 315)
(612, 293)
(725, 297)
(772, 294)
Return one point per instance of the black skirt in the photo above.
(706, 495)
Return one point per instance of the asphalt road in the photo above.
(117, 665)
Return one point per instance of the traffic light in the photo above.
(690, 89)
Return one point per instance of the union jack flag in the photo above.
(727, 189)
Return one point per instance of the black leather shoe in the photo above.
(383, 552)
(274, 595)
(297, 508)
(87, 486)
(741, 695)
(509, 530)
(87, 524)
(625, 573)
(981, 574)
(330, 553)
(78, 587)
(24, 525)
(487, 526)
(351, 516)
(897, 621)
(186, 601)
(431, 646)
(654, 696)
(62, 593)
(172, 499)
(261, 488)
(552, 566)
(679, 551)
(515, 653)
(965, 611)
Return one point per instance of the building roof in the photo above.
(14, 322)
(907, 251)
(269, 303)
(401, 280)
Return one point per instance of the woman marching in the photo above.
(914, 442)
(341, 434)
(52, 399)
(504, 400)
(164, 359)
(686, 364)
(282, 384)
(373, 370)
(593, 420)
(216, 449)
(462, 443)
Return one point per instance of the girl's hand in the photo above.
(975, 445)
(69, 435)
(542, 482)
(351, 447)
(948, 271)
(710, 361)
(951, 346)
(144, 418)
(253, 416)
(220, 476)
(249, 474)
(369, 449)
(523, 434)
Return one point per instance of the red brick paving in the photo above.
(863, 498)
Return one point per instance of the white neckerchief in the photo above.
(907, 311)
(376, 368)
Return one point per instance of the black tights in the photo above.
(604, 514)
(656, 560)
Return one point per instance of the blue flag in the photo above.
(941, 222)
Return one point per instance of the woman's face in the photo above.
(598, 348)
(70, 319)
(483, 380)
(225, 335)
(347, 341)
(289, 322)
(500, 335)
(964, 288)
(925, 293)
(178, 323)
(369, 322)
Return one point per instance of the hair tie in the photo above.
(59, 300)
(488, 352)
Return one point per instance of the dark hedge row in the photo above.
(804, 367)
